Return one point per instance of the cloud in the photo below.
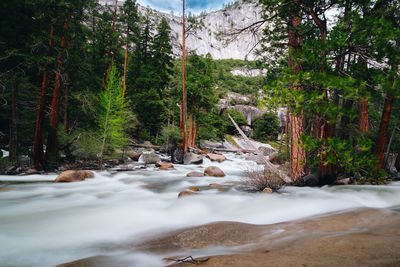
(194, 6)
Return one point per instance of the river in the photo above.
(44, 223)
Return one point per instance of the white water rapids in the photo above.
(44, 223)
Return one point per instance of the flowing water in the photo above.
(44, 223)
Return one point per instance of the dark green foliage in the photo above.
(266, 127)
(237, 116)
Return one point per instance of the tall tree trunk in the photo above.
(66, 104)
(125, 65)
(108, 62)
(195, 135)
(12, 145)
(38, 159)
(185, 145)
(363, 114)
(190, 141)
(52, 141)
(297, 121)
(383, 130)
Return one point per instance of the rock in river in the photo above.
(214, 171)
(74, 176)
(195, 174)
(192, 158)
(216, 157)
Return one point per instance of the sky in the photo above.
(193, 6)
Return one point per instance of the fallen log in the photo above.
(145, 146)
(266, 162)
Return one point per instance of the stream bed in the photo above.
(44, 223)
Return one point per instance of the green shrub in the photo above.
(266, 127)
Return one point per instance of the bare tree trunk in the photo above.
(52, 142)
(38, 154)
(12, 145)
(185, 145)
(108, 63)
(363, 114)
(190, 141)
(195, 135)
(66, 104)
(125, 65)
(297, 121)
(383, 130)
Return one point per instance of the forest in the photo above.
(81, 80)
(263, 133)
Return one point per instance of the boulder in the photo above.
(73, 176)
(192, 158)
(275, 158)
(32, 171)
(133, 154)
(193, 188)
(195, 174)
(186, 193)
(177, 156)
(342, 181)
(216, 185)
(149, 157)
(266, 151)
(267, 190)
(214, 171)
(216, 157)
(166, 166)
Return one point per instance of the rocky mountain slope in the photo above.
(211, 33)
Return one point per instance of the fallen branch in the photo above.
(267, 163)
(145, 146)
(188, 259)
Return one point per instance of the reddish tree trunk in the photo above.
(66, 104)
(383, 130)
(38, 159)
(363, 114)
(297, 122)
(125, 65)
(190, 141)
(52, 142)
(195, 135)
(185, 144)
(108, 63)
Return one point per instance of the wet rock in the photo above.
(166, 166)
(186, 193)
(149, 157)
(216, 157)
(266, 151)
(73, 176)
(214, 171)
(177, 156)
(32, 171)
(6, 189)
(195, 174)
(192, 158)
(275, 158)
(194, 188)
(267, 190)
(216, 185)
(343, 181)
(133, 154)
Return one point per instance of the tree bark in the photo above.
(12, 145)
(185, 145)
(66, 104)
(108, 63)
(52, 142)
(297, 121)
(383, 130)
(363, 114)
(125, 65)
(38, 159)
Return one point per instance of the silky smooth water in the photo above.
(44, 223)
